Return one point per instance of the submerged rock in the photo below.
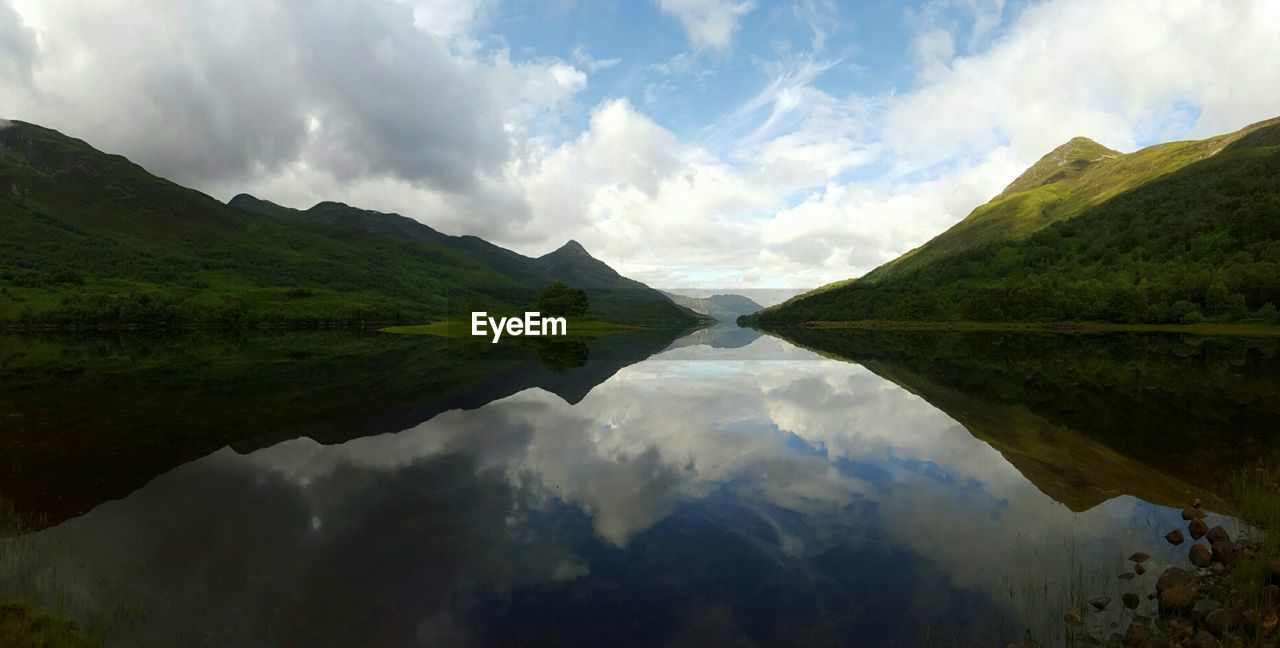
(1139, 569)
(1130, 600)
(1174, 537)
(1140, 557)
(1100, 603)
(1197, 528)
(1200, 555)
(1273, 572)
(1074, 618)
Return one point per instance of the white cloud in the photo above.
(707, 23)
(400, 107)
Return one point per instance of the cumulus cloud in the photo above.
(418, 108)
(707, 23)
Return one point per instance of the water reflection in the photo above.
(740, 494)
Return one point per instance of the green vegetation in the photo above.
(1179, 233)
(559, 300)
(22, 624)
(93, 240)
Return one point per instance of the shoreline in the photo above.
(1237, 330)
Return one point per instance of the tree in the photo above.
(559, 300)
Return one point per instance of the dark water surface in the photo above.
(722, 487)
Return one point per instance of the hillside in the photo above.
(92, 239)
(1173, 233)
(725, 308)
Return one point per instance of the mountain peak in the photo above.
(571, 247)
(1066, 161)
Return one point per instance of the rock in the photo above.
(1223, 620)
(1137, 635)
(1074, 618)
(1200, 555)
(1130, 600)
(1100, 603)
(1192, 514)
(1172, 577)
(1197, 529)
(1271, 594)
(1268, 621)
(1224, 551)
(1174, 537)
(1179, 599)
(1273, 572)
(1196, 503)
(1203, 608)
(1216, 568)
(1139, 557)
(1139, 569)
(1126, 576)
(1217, 534)
(1204, 640)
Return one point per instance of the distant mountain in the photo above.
(1171, 233)
(720, 307)
(91, 239)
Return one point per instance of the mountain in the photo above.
(1176, 232)
(92, 239)
(720, 307)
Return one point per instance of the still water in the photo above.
(719, 488)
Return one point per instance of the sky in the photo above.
(687, 143)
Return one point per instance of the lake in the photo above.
(720, 487)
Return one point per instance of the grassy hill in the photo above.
(92, 239)
(1174, 233)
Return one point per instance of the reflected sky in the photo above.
(744, 493)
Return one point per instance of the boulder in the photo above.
(1203, 608)
(1217, 534)
(1200, 555)
(1172, 577)
(1137, 635)
(1178, 599)
(1223, 620)
(1174, 537)
(1192, 514)
(1197, 529)
(1224, 551)
(1204, 640)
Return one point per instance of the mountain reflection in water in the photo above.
(748, 492)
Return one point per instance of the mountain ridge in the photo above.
(93, 239)
(1174, 232)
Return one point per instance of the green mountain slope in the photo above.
(1171, 233)
(92, 239)
(720, 307)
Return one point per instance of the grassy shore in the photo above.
(1245, 330)
(462, 329)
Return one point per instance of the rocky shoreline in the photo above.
(1227, 597)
